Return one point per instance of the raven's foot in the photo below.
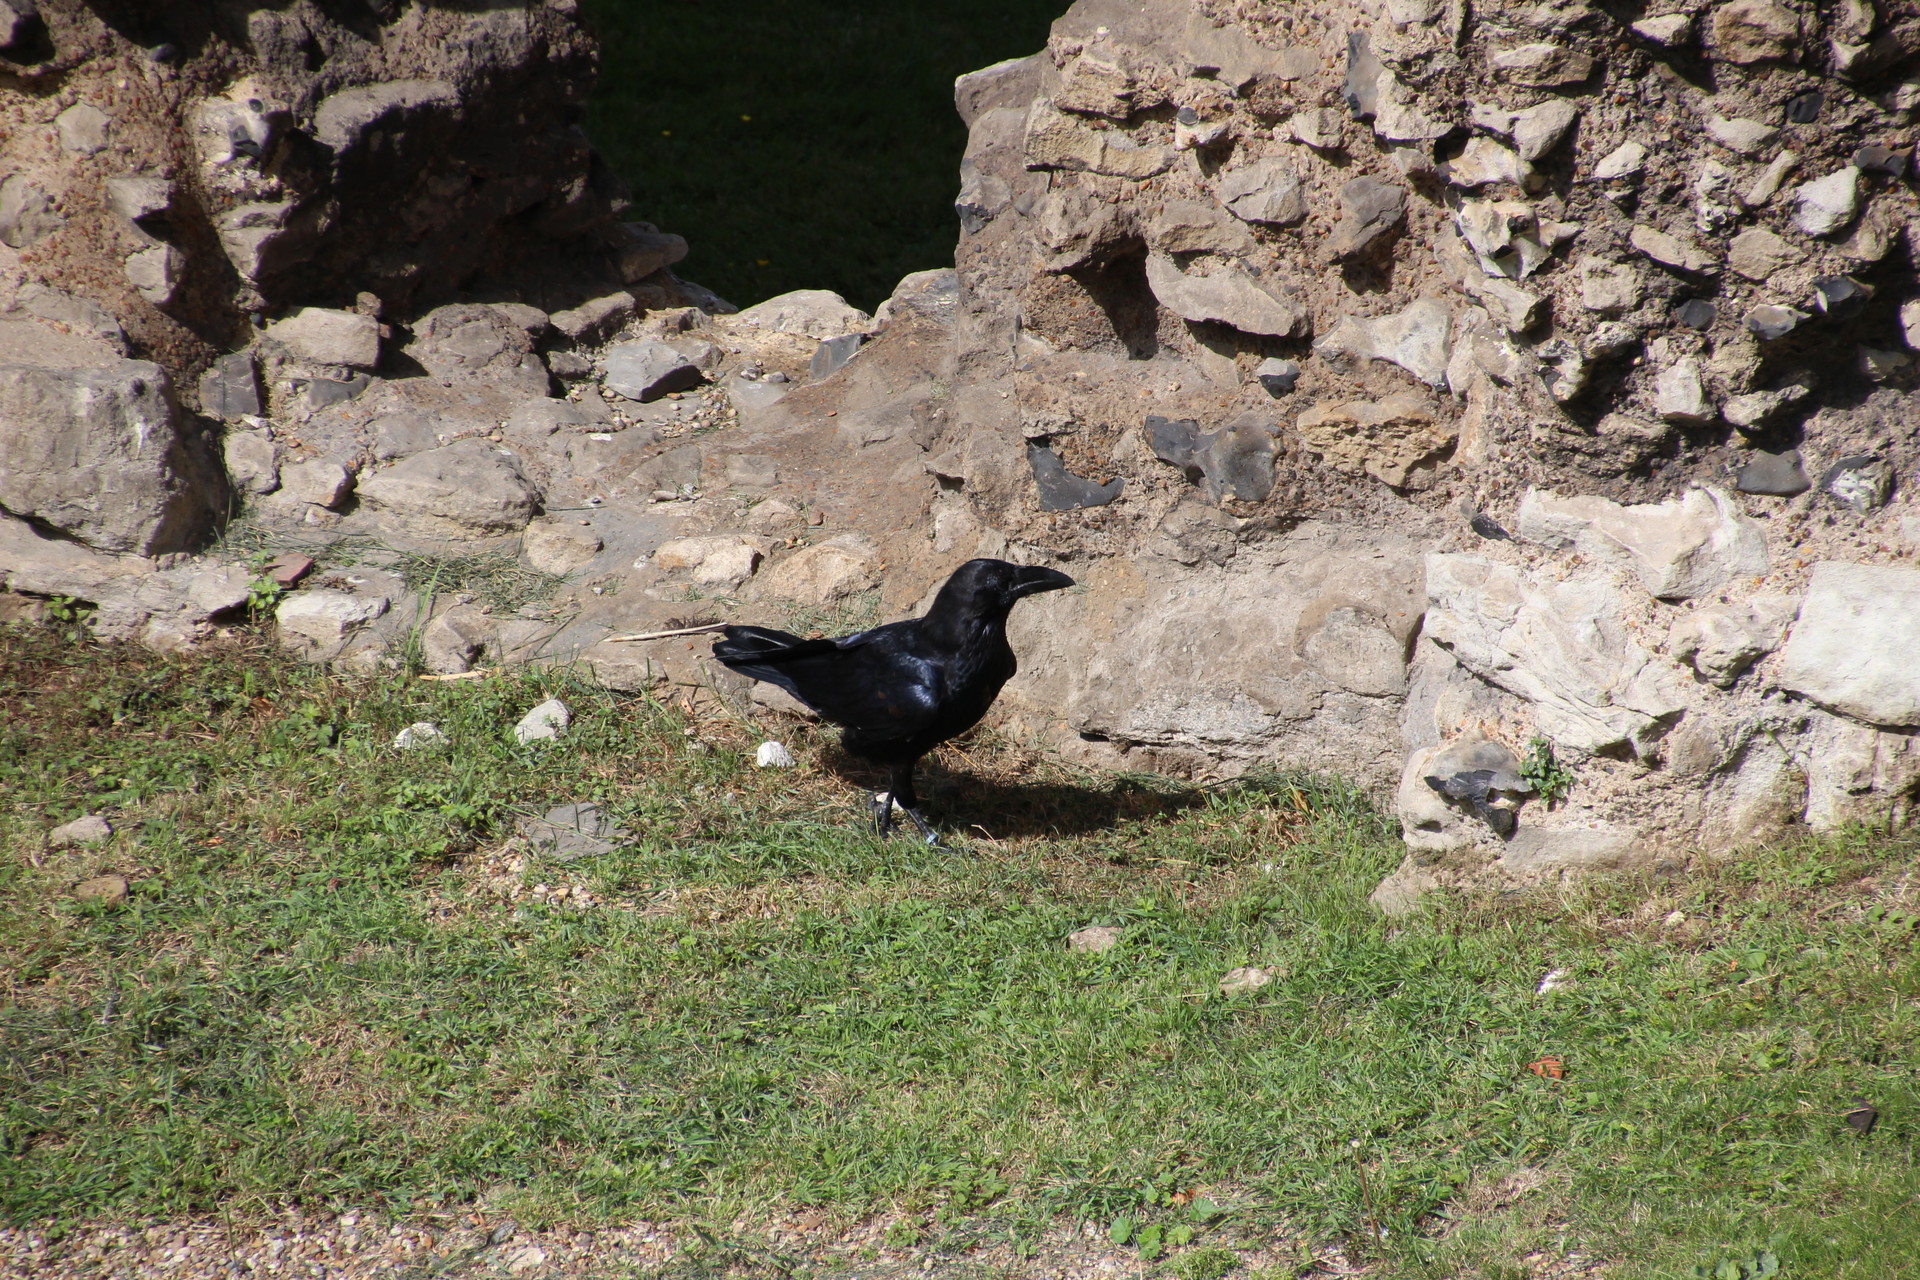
(884, 806)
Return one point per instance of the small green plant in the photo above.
(263, 593)
(1760, 1265)
(1550, 779)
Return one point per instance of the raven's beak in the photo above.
(1032, 580)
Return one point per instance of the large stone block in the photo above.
(96, 454)
(468, 487)
(1856, 648)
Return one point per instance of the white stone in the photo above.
(1722, 640)
(1416, 339)
(715, 560)
(1827, 204)
(422, 733)
(824, 574)
(330, 337)
(1679, 395)
(325, 619)
(1768, 184)
(1539, 129)
(1238, 982)
(250, 461)
(773, 755)
(1668, 29)
(1856, 647)
(1910, 323)
(1748, 137)
(1561, 646)
(544, 723)
(1484, 163)
(1230, 295)
(90, 829)
(155, 272)
(83, 128)
(1670, 250)
(1094, 938)
(468, 487)
(322, 482)
(1677, 549)
(1624, 161)
(1758, 254)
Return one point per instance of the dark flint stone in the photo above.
(1060, 489)
(1695, 313)
(832, 353)
(1879, 159)
(1778, 475)
(1486, 528)
(1840, 297)
(1805, 108)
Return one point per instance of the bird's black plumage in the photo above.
(900, 690)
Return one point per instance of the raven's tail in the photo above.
(758, 652)
(750, 644)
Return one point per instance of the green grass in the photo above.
(843, 172)
(334, 983)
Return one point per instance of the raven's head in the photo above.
(990, 587)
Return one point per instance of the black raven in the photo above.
(900, 690)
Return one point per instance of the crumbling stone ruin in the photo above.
(1412, 386)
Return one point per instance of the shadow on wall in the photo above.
(798, 144)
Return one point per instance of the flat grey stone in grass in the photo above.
(544, 723)
(420, 734)
(107, 890)
(573, 831)
(1238, 982)
(90, 829)
(1094, 939)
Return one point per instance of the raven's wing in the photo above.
(872, 681)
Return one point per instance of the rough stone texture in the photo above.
(1678, 550)
(810, 313)
(1229, 296)
(648, 370)
(823, 574)
(1853, 649)
(469, 342)
(1398, 440)
(97, 453)
(329, 337)
(316, 624)
(87, 830)
(464, 488)
(724, 560)
(558, 547)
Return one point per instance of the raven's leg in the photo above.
(900, 787)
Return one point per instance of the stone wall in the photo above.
(1407, 385)
(1471, 376)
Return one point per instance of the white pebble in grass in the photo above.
(1554, 980)
(544, 723)
(773, 755)
(420, 734)
(1239, 982)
